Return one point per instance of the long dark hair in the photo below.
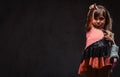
(106, 14)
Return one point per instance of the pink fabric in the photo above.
(93, 35)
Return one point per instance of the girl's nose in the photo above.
(98, 21)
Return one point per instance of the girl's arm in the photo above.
(90, 15)
(110, 36)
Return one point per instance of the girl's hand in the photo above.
(114, 62)
(109, 36)
(93, 6)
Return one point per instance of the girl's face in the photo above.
(99, 20)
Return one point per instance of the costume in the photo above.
(96, 56)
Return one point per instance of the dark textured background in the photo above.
(46, 38)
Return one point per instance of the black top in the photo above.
(98, 49)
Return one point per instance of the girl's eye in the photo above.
(101, 18)
(96, 18)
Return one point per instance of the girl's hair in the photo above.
(106, 14)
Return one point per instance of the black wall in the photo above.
(46, 38)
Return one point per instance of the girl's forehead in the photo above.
(99, 12)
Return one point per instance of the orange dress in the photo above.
(96, 53)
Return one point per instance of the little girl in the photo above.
(96, 61)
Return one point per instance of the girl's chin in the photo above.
(97, 26)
